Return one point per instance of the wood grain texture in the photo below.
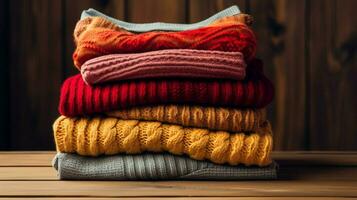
(280, 28)
(181, 198)
(199, 10)
(35, 72)
(188, 198)
(286, 172)
(141, 11)
(27, 173)
(26, 159)
(289, 70)
(333, 69)
(264, 15)
(179, 188)
(298, 178)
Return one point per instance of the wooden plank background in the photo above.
(309, 50)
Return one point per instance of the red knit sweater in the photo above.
(78, 98)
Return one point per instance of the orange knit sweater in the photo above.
(213, 118)
(95, 36)
(94, 136)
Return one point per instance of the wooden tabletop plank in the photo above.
(9, 159)
(187, 198)
(38, 158)
(28, 173)
(312, 174)
(285, 173)
(182, 198)
(178, 188)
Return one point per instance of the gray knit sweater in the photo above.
(153, 167)
(145, 27)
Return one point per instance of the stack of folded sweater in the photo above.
(165, 101)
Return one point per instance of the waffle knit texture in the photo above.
(94, 136)
(146, 27)
(153, 167)
(78, 98)
(95, 36)
(175, 63)
(213, 118)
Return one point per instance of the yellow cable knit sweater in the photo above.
(96, 136)
(213, 118)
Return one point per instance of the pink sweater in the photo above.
(178, 63)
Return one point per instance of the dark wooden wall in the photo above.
(309, 48)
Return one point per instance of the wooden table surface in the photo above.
(302, 175)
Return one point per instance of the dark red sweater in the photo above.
(78, 98)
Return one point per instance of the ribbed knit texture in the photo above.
(96, 39)
(213, 118)
(145, 27)
(93, 22)
(78, 98)
(96, 136)
(176, 63)
(153, 167)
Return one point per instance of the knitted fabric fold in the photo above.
(96, 36)
(146, 27)
(213, 118)
(176, 63)
(78, 98)
(153, 167)
(94, 136)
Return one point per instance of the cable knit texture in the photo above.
(102, 37)
(78, 98)
(213, 118)
(177, 63)
(96, 136)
